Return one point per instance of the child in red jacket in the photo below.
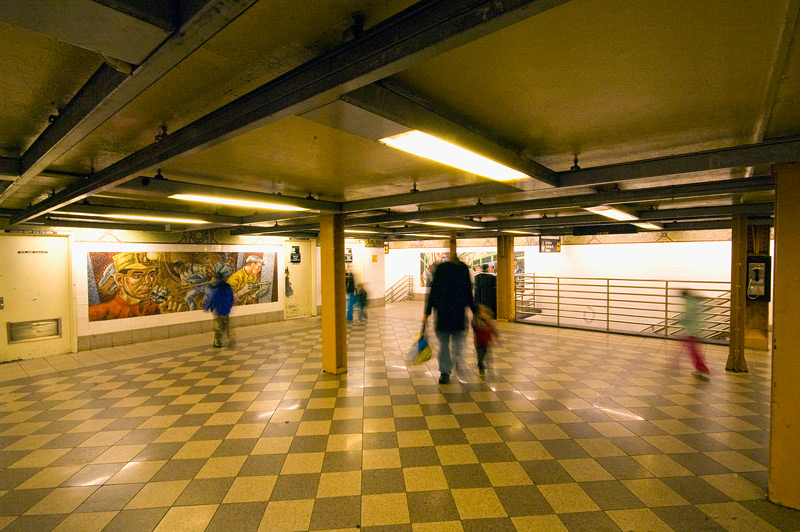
(484, 332)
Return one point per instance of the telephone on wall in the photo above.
(758, 278)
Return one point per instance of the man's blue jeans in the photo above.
(445, 362)
(351, 301)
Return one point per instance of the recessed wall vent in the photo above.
(23, 331)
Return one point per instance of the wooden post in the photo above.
(784, 434)
(736, 361)
(334, 329)
(505, 278)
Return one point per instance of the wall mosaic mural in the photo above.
(128, 284)
(474, 259)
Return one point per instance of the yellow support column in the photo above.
(736, 361)
(505, 278)
(334, 329)
(784, 434)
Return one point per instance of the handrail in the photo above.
(401, 290)
(647, 307)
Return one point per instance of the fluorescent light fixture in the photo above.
(426, 235)
(216, 200)
(140, 218)
(430, 147)
(611, 212)
(454, 225)
(516, 232)
(360, 231)
(648, 225)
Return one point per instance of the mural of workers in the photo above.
(246, 282)
(195, 279)
(135, 277)
(129, 284)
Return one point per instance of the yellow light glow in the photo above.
(360, 231)
(516, 232)
(454, 225)
(430, 147)
(648, 225)
(236, 202)
(137, 217)
(611, 212)
(427, 235)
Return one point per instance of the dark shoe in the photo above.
(216, 344)
(444, 378)
(481, 368)
(701, 376)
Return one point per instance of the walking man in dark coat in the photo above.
(450, 295)
(486, 289)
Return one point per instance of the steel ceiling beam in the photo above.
(163, 188)
(614, 197)
(666, 215)
(108, 209)
(96, 25)
(744, 209)
(116, 226)
(109, 90)
(768, 152)
(429, 196)
(422, 31)
(399, 106)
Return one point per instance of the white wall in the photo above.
(680, 261)
(370, 274)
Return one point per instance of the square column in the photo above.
(784, 434)
(505, 278)
(736, 360)
(332, 279)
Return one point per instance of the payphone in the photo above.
(758, 277)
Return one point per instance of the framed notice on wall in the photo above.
(549, 244)
(294, 256)
(348, 254)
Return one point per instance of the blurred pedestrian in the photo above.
(450, 295)
(486, 289)
(219, 301)
(350, 290)
(361, 294)
(690, 320)
(484, 332)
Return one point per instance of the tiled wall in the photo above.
(160, 332)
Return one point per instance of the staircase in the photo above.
(402, 290)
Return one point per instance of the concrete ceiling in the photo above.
(289, 97)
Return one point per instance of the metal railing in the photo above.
(401, 290)
(647, 307)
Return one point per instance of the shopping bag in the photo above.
(421, 351)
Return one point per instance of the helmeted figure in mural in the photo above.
(196, 279)
(246, 282)
(137, 293)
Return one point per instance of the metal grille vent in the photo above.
(22, 331)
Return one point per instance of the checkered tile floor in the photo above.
(567, 431)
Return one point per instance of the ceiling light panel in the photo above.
(435, 149)
(454, 225)
(138, 217)
(216, 200)
(611, 212)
